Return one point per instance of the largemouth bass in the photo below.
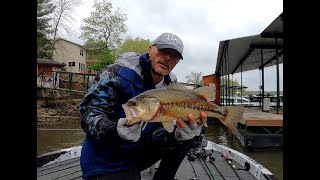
(176, 101)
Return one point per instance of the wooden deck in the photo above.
(260, 130)
(257, 118)
(197, 169)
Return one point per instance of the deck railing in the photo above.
(76, 82)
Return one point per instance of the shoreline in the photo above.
(58, 112)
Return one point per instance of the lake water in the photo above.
(67, 135)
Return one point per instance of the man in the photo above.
(112, 150)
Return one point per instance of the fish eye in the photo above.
(132, 103)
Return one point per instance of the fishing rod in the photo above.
(229, 161)
(233, 166)
(204, 164)
(191, 158)
(211, 159)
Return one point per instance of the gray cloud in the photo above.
(201, 25)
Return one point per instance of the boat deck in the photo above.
(219, 169)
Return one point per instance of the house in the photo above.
(45, 74)
(213, 81)
(72, 54)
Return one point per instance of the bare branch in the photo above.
(63, 16)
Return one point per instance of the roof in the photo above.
(70, 42)
(49, 62)
(247, 50)
(207, 75)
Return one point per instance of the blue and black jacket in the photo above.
(103, 151)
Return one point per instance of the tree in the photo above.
(223, 80)
(195, 78)
(232, 83)
(97, 57)
(63, 15)
(104, 57)
(44, 9)
(92, 44)
(137, 45)
(104, 25)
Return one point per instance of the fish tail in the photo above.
(233, 115)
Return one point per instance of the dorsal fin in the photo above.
(177, 86)
(208, 93)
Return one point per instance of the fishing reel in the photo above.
(191, 156)
(201, 154)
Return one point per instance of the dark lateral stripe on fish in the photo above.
(194, 105)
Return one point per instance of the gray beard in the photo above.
(153, 70)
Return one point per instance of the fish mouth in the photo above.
(130, 113)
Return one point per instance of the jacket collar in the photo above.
(145, 82)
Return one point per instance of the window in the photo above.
(81, 52)
(71, 64)
(82, 67)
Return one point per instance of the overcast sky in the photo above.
(201, 25)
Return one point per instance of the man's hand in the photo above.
(130, 133)
(187, 132)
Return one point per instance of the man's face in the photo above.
(163, 60)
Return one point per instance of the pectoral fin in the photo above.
(169, 126)
(167, 122)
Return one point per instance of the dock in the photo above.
(259, 118)
(259, 129)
